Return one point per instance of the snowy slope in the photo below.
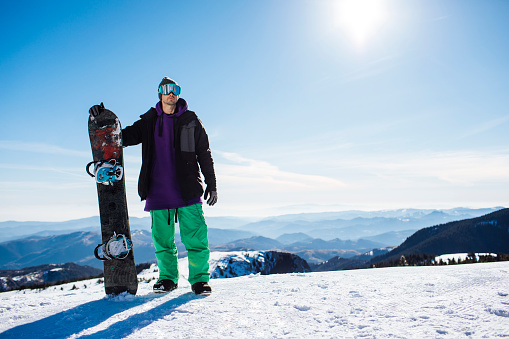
(401, 302)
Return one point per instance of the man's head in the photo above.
(161, 90)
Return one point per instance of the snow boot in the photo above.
(165, 285)
(201, 288)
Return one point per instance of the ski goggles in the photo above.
(169, 88)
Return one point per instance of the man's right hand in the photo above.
(96, 110)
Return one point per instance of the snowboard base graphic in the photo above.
(106, 140)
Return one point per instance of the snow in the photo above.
(400, 302)
(28, 277)
(56, 269)
(463, 256)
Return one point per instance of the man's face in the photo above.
(170, 99)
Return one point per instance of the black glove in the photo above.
(96, 110)
(213, 197)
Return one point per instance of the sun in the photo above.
(361, 19)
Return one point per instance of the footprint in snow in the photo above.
(355, 294)
(302, 307)
(500, 313)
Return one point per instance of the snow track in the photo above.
(403, 302)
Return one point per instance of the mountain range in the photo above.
(12, 230)
(352, 225)
(485, 234)
(52, 242)
(222, 265)
(79, 247)
(346, 225)
(45, 274)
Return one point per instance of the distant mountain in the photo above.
(79, 247)
(488, 233)
(228, 222)
(393, 238)
(380, 232)
(44, 274)
(76, 247)
(341, 263)
(318, 256)
(257, 243)
(354, 225)
(348, 225)
(218, 236)
(222, 265)
(260, 243)
(12, 230)
(313, 250)
(290, 238)
(396, 213)
(336, 264)
(320, 244)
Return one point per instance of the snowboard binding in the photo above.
(118, 247)
(106, 171)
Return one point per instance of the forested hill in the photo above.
(488, 233)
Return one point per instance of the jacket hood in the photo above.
(181, 108)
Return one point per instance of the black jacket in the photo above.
(191, 149)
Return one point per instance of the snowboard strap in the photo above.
(106, 171)
(118, 247)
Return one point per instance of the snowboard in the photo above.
(106, 140)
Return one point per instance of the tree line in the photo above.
(424, 259)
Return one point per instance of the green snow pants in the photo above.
(193, 233)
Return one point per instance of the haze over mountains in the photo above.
(351, 225)
(316, 237)
(327, 225)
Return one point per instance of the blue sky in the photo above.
(309, 105)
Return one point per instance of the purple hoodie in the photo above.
(164, 192)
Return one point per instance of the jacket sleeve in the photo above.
(204, 156)
(132, 135)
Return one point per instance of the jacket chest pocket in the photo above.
(187, 143)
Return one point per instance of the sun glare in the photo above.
(361, 18)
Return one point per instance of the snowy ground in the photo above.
(403, 302)
(463, 256)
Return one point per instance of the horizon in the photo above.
(259, 218)
(309, 106)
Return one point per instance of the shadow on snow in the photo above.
(91, 314)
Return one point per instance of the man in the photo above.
(175, 147)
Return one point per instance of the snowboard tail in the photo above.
(106, 141)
